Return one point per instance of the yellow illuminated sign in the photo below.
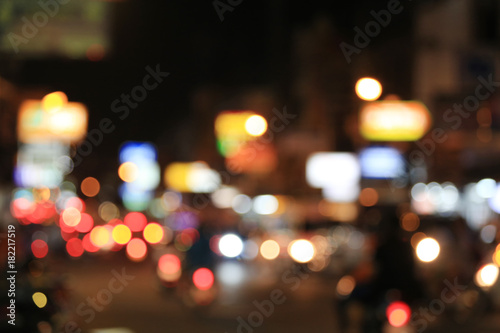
(232, 123)
(195, 177)
(67, 124)
(235, 128)
(394, 121)
(176, 176)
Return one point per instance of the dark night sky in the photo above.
(251, 47)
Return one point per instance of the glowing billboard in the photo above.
(394, 121)
(336, 173)
(67, 124)
(195, 177)
(381, 163)
(235, 128)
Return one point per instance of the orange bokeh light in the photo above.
(90, 187)
(496, 256)
(128, 172)
(368, 197)
(136, 249)
(410, 221)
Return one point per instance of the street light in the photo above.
(368, 89)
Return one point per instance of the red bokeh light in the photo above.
(203, 278)
(39, 248)
(398, 313)
(169, 264)
(21, 207)
(68, 235)
(64, 227)
(115, 222)
(87, 244)
(135, 221)
(41, 213)
(190, 236)
(74, 247)
(214, 244)
(86, 223)
(75, 202)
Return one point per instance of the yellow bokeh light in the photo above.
(153, 233)
(235, 128)
(191, 177)
(71, 216)
(338, 211)
(232, 123)
(428, 249)
(368, 89)
(394, 120)
(53, 102)
(496, 255)
(176, 176)
(128, 172)
(90, 187)
(39, 299)
(256, 125)
(301, 250)
(68, 124)
(99, 236)
(41, 194)
(270, 249)
(121, 234)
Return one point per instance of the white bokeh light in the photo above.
(487, 276)
(231, 273)
(230, 245)
(265, 204)
(241, 204)
(368, 89)
(301, 250)
(428, 249)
